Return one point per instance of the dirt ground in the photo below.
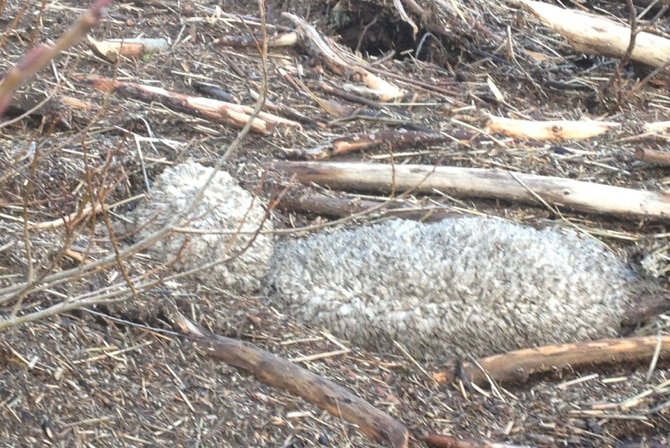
(115, 375)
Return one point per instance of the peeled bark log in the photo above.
(487, 183)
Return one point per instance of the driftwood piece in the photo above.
(549, 130)
(653, 156)
(479, 182)
(234, 114)
(250, 40)
(327, 87)
(393, 138)
(112, 49)
(657, 126)
(341, 207)
(518, 366)
(282, 374)
(442, 441)
(390, 138)
(341, 61)
(592, 34)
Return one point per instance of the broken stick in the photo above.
(341, 61)
(519, 365)
(392, 139)
(215, 110)
(549, 130)
(442, 441)
(341, 207)
(595, 34)
(282, 374)
(653, 156)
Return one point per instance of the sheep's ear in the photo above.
(649, 304)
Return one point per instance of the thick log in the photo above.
(282, 374)
(480, 182)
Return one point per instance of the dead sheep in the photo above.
(224, 210)
(468, 286)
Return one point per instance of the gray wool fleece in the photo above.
(475, 286)
(224, 210)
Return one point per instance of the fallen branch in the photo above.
(216, 110)
(549, 130)
(391, 139)
(651, 2)
(657, 126)
(112, 49)
(250, 40)
(592, 34)
(282, 374)
(518, 366)
(351, 97)
(341, 61)
(341, 207)
(441, 441)
(653, 156)
(72, 218)
(480, 182)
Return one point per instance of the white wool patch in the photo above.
(462, 286)
(225, 207)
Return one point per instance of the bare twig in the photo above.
(39, 56)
